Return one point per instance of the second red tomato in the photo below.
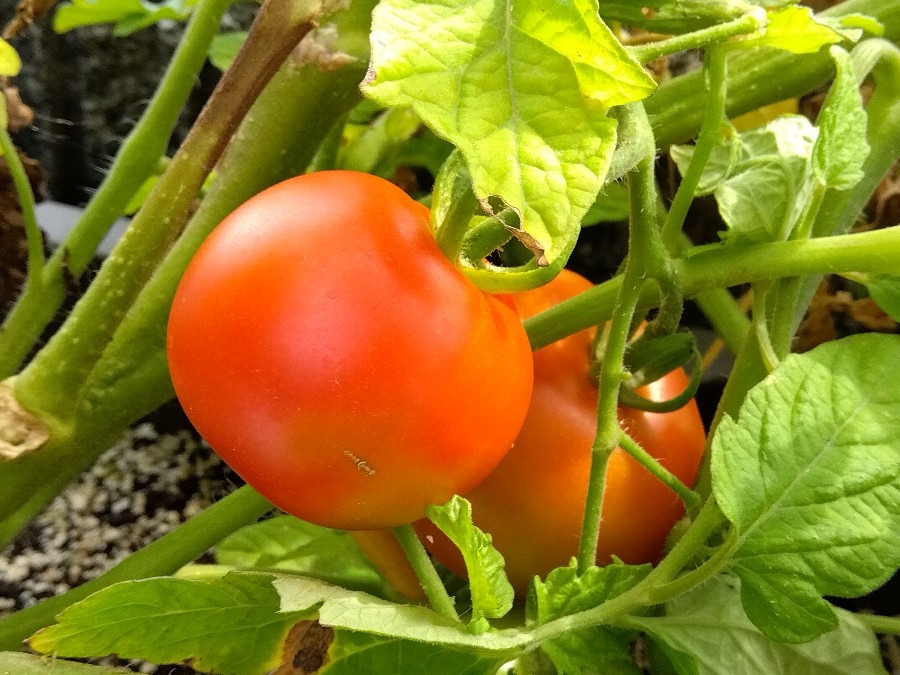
(532, 503)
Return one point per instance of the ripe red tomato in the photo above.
(532, 504)
(333, 357)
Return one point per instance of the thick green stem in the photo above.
(758, 77)
(708, 520)
(134, 163)
(437, 595)
(164, 556)
(888, 625)
(56, 377)
(719, 266)
(700, 38)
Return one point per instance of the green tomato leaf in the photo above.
(611, 206)
(16, 663)
(708, 633)
(340, 608)
(10, 63)
(225, 625)
(841, 147)
(287, 544)
(762, 187)
(757, 204)
(224, 48)
(565, 592)
(356, 653)
(809, 475)
(795, 29)
(885, 291)
(721, 164)
(523, 90)
(863, 22)
(128, 15)
(492, 594)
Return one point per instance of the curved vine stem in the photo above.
(715, 75)
(33, 281)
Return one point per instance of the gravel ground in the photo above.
(138, 490)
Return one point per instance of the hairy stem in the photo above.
(718, 266)
(642, 195)
(748, 23)
(431, 583)
(690, 498)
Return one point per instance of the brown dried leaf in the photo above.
(305, 649)
(20, 115)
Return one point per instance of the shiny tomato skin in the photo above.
(533, 502)
(336, 360)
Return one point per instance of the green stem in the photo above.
(727, 318)
(608, 430)
(770, 357)
(642, 196)
(690, 498)
(26, 202)
(888, 625)
(437, 595)
(134, 163)
(715, 71)
(164, 556)
(758, 77)
(56, 377)
(708, 520)
(720, 265)
(748, 23)
(452, 206)
(656, 586)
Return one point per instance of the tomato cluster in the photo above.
(343, 367)
(338, 362)
(532, 503)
